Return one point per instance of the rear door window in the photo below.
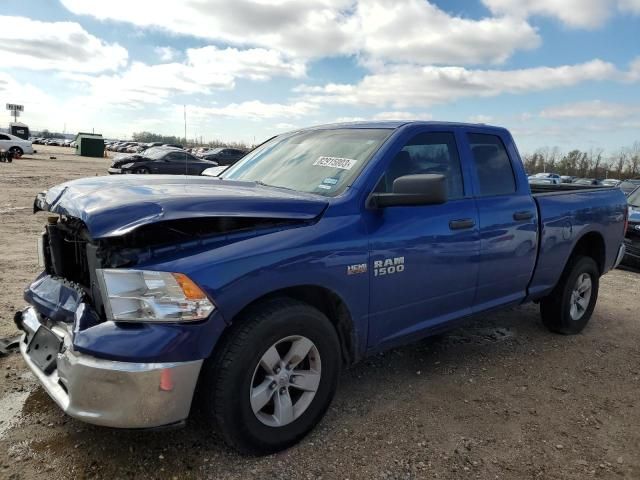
(492, 164)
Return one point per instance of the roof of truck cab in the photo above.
(394, 124)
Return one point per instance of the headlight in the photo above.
(148, 296)
(126, 165)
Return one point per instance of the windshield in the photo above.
(634, 198)
(324, 162)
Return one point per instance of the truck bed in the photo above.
(566, 213)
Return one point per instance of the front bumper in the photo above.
(621, 253)
(112, 393)
(114, 171)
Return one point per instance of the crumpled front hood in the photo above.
(116, 205)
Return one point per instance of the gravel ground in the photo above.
(501, 398)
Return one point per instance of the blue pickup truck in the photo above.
(250, 291)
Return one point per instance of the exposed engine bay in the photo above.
(71, 255)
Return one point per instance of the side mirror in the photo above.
(413, 190)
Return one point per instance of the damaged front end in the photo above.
(79, 355)
(114, 341)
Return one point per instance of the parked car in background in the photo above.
(628, 186)
(586, 181)
(224, 156)
(632, 236)
(611, 182)
(214, 171)
(554, 177)
(541, 181)
(16, 145)
(161, 160)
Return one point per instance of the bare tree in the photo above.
(595, 160)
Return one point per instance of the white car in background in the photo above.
(214, 171)
(16, 145)
(554, 177)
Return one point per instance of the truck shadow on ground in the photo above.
(372, 386)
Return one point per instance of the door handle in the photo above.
(462, 224)
(526, 215)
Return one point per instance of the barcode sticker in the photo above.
(336, 162)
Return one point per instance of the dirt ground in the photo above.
(501, 398)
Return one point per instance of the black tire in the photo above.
(227, 377)
(16, 152)
(555, 309)
(141, 170)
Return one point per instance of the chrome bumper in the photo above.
(114, 394)
(621, 252)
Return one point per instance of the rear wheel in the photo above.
(16, 152)
(274, 376)
(568, 308)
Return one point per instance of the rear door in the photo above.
(423, 259)
(173, 163)
(508, 219)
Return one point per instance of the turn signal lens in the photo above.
(190, 289)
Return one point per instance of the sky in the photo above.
(557, 73)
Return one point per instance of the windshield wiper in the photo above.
(262, 184)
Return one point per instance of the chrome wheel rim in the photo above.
(285, 381)
(580, 296)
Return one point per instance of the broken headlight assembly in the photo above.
(150, 296)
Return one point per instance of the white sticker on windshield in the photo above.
(336, 162)
(330, 181)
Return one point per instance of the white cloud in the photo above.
(252, 110)
(402, 116)
(574, 13)
(591, 109)
(406, 86)
(254, 63)
(348, 119)
(480, 118)
(306, 28)
(64, 46)
(205, 70)
(166, 54)
(632, 6)
(416, 31)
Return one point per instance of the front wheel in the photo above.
(142, 171)
(568, 308)
(16, 152)
(273, 377)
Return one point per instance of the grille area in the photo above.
(632, 240)
(66, 255)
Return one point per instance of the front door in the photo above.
(422, 258)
